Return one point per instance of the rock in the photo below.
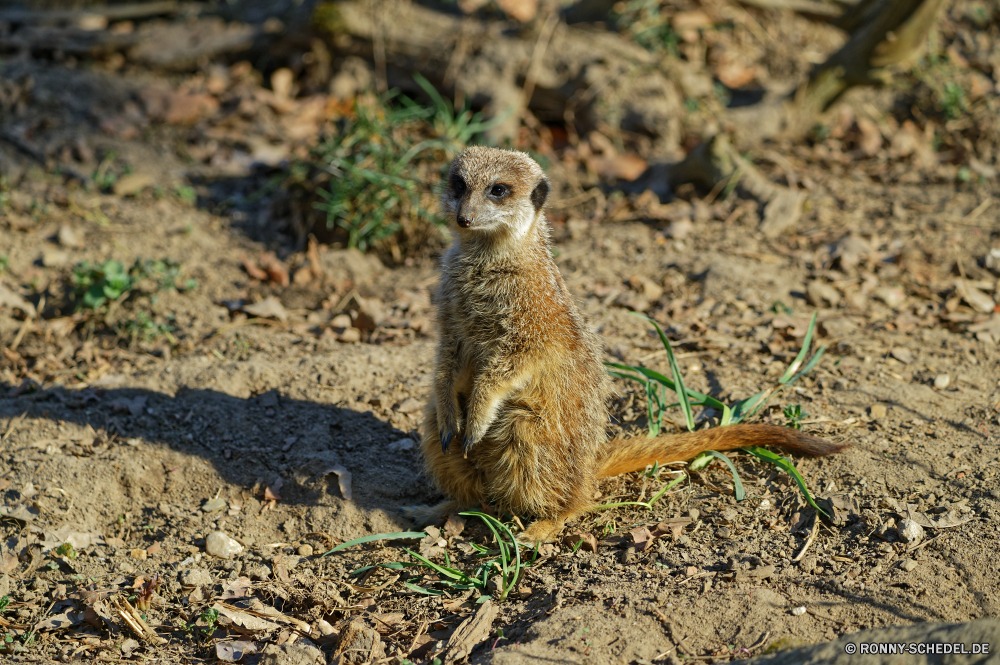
(410, 405)
(189, 108)
(195, 577)
(302, 652)
(54, 258)
(67, 237)
(139, 554)
(358, 644)
(258, 572)
(982, 631)
(649, 289)
(352, 265)
(892, 296)
(822, 294)
(849, 252)
(220, 545)
(878, 411)
(349, 335)
(808, 564)
(798, 611)
(909, 565)
(402, 444)
(909, 531)
(902, 354)
(305, 550)
(131, 184)
(941, 381)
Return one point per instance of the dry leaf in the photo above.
(344, 479)
(642, 538)
(231, 652)
(253, 270)
(271, 491)
(470, 633)
(454, 526)
(589, 543)
(244, 619)
(268, 308)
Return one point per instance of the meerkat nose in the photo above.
(464, 222)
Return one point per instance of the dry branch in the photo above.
(586, 75)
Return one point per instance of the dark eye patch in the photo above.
(458, 184)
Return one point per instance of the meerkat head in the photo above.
(494, 191)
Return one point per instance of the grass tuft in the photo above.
(656, 384)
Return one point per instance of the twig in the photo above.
(112, 13)
(378, 47)
(12, 425)
(809, 540)
(541, 45)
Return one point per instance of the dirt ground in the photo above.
(279, 399)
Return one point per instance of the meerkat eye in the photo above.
(458, 185)
(498, 190)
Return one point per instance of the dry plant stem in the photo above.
(113, 13)
(809, 540)
(883, 33)
(541, 45)
(378, 46)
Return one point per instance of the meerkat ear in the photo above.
(540, 194)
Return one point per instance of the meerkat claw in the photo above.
(467, 443)
(446, 438)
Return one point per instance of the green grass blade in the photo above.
(700, 462)
(803, 352)
(378, 536)
(727, 416)
(420, 589)
(809, 365)
(786, 465)
(666, 488)
(451, 573)
(738, 492)
(675, 369)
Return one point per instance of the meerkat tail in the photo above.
(636, 453)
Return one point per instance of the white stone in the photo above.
(220, 545)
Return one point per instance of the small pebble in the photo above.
(909, 531)
(305, 550)
(941, 381)
(220, 545)
(878, 411)
(798, 611)
(195, 577)
(139, 553)
(908, 565)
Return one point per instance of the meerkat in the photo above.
(518, 414)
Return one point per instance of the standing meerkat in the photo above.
(518, 415)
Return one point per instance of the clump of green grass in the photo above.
(94, 285)
(382, 160)
(119, 297)
(657, 384)
(110, 169)
(504, 561)
(643, 21)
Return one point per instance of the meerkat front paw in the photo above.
(541, 531)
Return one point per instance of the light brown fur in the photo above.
(519, 412)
